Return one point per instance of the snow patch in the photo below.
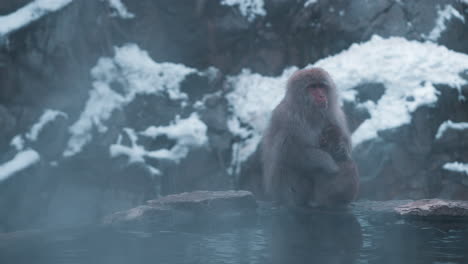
(310, 2)
(47, 117)
(450, 125)
(21, 161)
(443, 16)
(188, 133)
(457, 167)
(17, 142)
(120, 9)
(136, 73)
(407, 69)
(248, 8)
(253, 98)
(135, 152)
(29, 13)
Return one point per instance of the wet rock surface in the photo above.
(427, 210)
(385, 207)
(187, 208)
(207, 200)
(201, 208)
(434, 208)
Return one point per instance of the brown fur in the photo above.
(305, 149)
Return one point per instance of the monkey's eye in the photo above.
(317, 86)
(313, 86)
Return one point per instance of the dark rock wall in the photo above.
(47, 65)
(406, 162)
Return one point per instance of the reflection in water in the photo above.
(276, 236)
(315, 237)
(417, 241)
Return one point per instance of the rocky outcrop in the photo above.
(406, 162)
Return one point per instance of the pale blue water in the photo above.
(359, 236)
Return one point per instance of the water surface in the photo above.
(275, 236)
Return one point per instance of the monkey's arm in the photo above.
(321, 160)
(313, 159)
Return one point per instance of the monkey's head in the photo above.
(312, 87)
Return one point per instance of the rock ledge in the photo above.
(434, 208)
(186, 208)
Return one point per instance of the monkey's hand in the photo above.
(341, 152)
(330, 135)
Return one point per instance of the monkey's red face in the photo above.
(319, 96)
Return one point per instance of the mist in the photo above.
(128, 124)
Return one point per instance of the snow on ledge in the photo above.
(21, 161)
(457, 167)
(29, 13)
(407, 69)
(17, 142)
(136, 73)
(120, 9)
(450, 125)
(248, 8)
(443, 16)
(188, 133)
(310, 2)
(47, 117)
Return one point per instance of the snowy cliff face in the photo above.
(105, 104)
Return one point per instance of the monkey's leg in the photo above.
(301, 192)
